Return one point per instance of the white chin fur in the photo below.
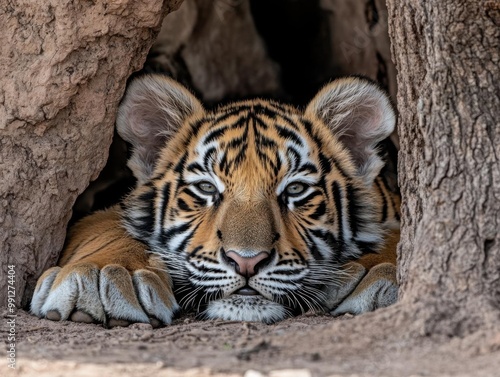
(246, 308)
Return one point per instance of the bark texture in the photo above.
(359, 40)
(229, 49)
(214, 48)
(63, 72)
(447, 55)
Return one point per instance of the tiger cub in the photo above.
(254, 211)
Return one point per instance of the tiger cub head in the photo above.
(254, 206)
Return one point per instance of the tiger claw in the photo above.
(80, 316)
(112, 296)
(117, 323)
(53, 315)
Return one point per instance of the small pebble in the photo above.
(146, 336)
(141, 326)
(253, 373)
(290, 373)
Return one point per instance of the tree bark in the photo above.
(63, 71)
(219, 47)
(447, 56)
(359, 40)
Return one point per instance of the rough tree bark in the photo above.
(447, 56)
(219, 48)
(359, 40)
(63, 71)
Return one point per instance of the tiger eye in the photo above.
(295, 188)
(207, 188)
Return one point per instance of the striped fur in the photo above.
(300, 186)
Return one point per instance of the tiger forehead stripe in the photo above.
(261, 124)
(220, 128)
(289, 134)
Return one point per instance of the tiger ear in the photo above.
(360, 115)
(153, 109)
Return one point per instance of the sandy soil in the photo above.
(306, 346)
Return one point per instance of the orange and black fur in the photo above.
(253, 211)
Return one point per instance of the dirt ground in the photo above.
(306, 346)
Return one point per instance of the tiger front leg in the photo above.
(364, 290)
(369, 283)
(105, 277)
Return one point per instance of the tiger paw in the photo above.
(113, 296)
(365, 291)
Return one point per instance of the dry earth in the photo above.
(307, 346)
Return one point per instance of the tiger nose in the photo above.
(247, 266)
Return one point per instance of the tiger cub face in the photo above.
(254, 206)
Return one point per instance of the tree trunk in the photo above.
(447, 56)
(63, 71)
